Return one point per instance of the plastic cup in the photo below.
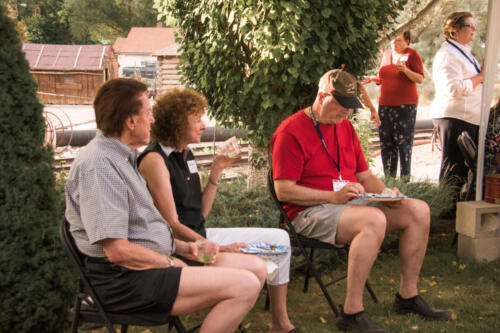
(373, 125)
(205, 252)
(204, 258)
(231, 148)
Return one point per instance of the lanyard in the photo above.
(316, 124)
(465, 55)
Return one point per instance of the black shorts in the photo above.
(147, 294)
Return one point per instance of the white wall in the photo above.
(133, 61)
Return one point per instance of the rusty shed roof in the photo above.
(66, 57)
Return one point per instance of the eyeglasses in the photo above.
(472, 26)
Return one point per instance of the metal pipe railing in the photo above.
(79, 138)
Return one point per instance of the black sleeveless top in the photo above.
(186, 186)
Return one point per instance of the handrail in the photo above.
(79, 138)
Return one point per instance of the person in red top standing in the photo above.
(401, 69)
(319, 170)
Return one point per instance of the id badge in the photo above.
(192, 166)
(339, 184)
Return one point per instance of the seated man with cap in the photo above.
(319, 170)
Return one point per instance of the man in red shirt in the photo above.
(319, 170)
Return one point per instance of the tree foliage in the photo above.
(412, 19)
(34, 274)
(105, 20)
(258, 61)
(82, 21)
(44, 21)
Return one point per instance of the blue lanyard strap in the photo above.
(316, 125)
(465, 55)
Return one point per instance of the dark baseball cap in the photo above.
(344, 88)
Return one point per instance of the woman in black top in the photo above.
(170, 171)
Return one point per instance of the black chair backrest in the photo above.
(468, 149)
(69, 244)
(284, 222)
(77, 259)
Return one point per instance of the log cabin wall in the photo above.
(68, 87)
(168, 74)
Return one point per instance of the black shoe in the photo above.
(419, 306)
(357, 322)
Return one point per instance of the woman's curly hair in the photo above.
(171, 113)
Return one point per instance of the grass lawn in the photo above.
(470, 290)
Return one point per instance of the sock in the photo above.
(406, 299)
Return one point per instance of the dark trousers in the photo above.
(146, 294)
(453, 168)
(396, 134)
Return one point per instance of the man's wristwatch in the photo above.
(170, 260)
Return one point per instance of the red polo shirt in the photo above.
(396, 88)
(298, 154)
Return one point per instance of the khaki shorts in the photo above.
(320, 221)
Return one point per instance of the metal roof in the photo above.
(66, 57)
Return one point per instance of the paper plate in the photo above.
(379, 197)
(265, 249)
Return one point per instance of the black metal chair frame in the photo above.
(88, 307)
(468, 149)
(304, 243)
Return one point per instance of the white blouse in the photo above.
(455, 96)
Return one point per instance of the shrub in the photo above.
(438, 197)
(237, 206)
(34, 274)
(365, 134)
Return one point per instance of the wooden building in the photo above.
(70, 74)
(168, 76)
(136, 50)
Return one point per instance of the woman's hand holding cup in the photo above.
(230, 153)
(231, 148)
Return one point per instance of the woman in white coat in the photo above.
(457, 77)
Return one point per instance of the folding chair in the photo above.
(468, 149)
(88, 306)
(304, 243)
